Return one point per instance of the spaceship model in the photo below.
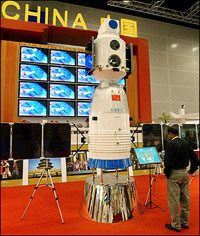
(182, 116)
(109, 138)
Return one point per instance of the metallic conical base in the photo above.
(112, 201)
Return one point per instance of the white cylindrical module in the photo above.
(110, 52)
(109, 58)
(109, 129)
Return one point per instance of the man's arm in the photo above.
(168, 161)
(194, 162)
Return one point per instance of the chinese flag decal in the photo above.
(116, 98)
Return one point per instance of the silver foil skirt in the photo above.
(112, 201)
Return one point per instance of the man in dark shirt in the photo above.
(178, 154)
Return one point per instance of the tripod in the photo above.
(149, 193)
(48, 176)
(83, 139)
(133, 138)
(153, 178)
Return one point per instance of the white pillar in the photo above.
(25, 173)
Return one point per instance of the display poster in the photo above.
(78, 163)
(147, 155)
(36, 167)
(11, 169)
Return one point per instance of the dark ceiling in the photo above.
(170, 7)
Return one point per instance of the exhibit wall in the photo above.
(173, 49)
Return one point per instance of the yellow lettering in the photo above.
(79, 21)
(31, 13)
(5, 5)
(46, 15)
(102, 19)
(56, 14)
(128, 27)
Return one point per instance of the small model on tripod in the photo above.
(51, 185)
(149, 155)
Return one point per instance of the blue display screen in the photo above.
(32, 108)
(84, 78)
(83, 108)
(55, 82)
(62, 91)
(88, 61)
(81, 59)
(33, 72)
(39, 55)
(147, 155)
(59, 108)
(63, 57)
(85, 92)
(32, 90)
(121, 81)
(62, 74)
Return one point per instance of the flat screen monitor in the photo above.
(152, 136)
(32, 90)
(57, 140)
(32, 108)
(62, 91)
(62, 74)
(31, 54)
(61, 108)
(165, 133)
(83, 108)
(26, 141)
(63, 57)
(33, 72)
(5, 141)
(85, 91)
(147, 155)
(81, 58)
(84, 78)
(188, 133)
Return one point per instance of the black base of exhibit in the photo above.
(48, 175)
(150, 207)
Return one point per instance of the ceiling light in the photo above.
(195, 49)
(174, 45)
(126, 1)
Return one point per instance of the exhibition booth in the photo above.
(52, 86)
